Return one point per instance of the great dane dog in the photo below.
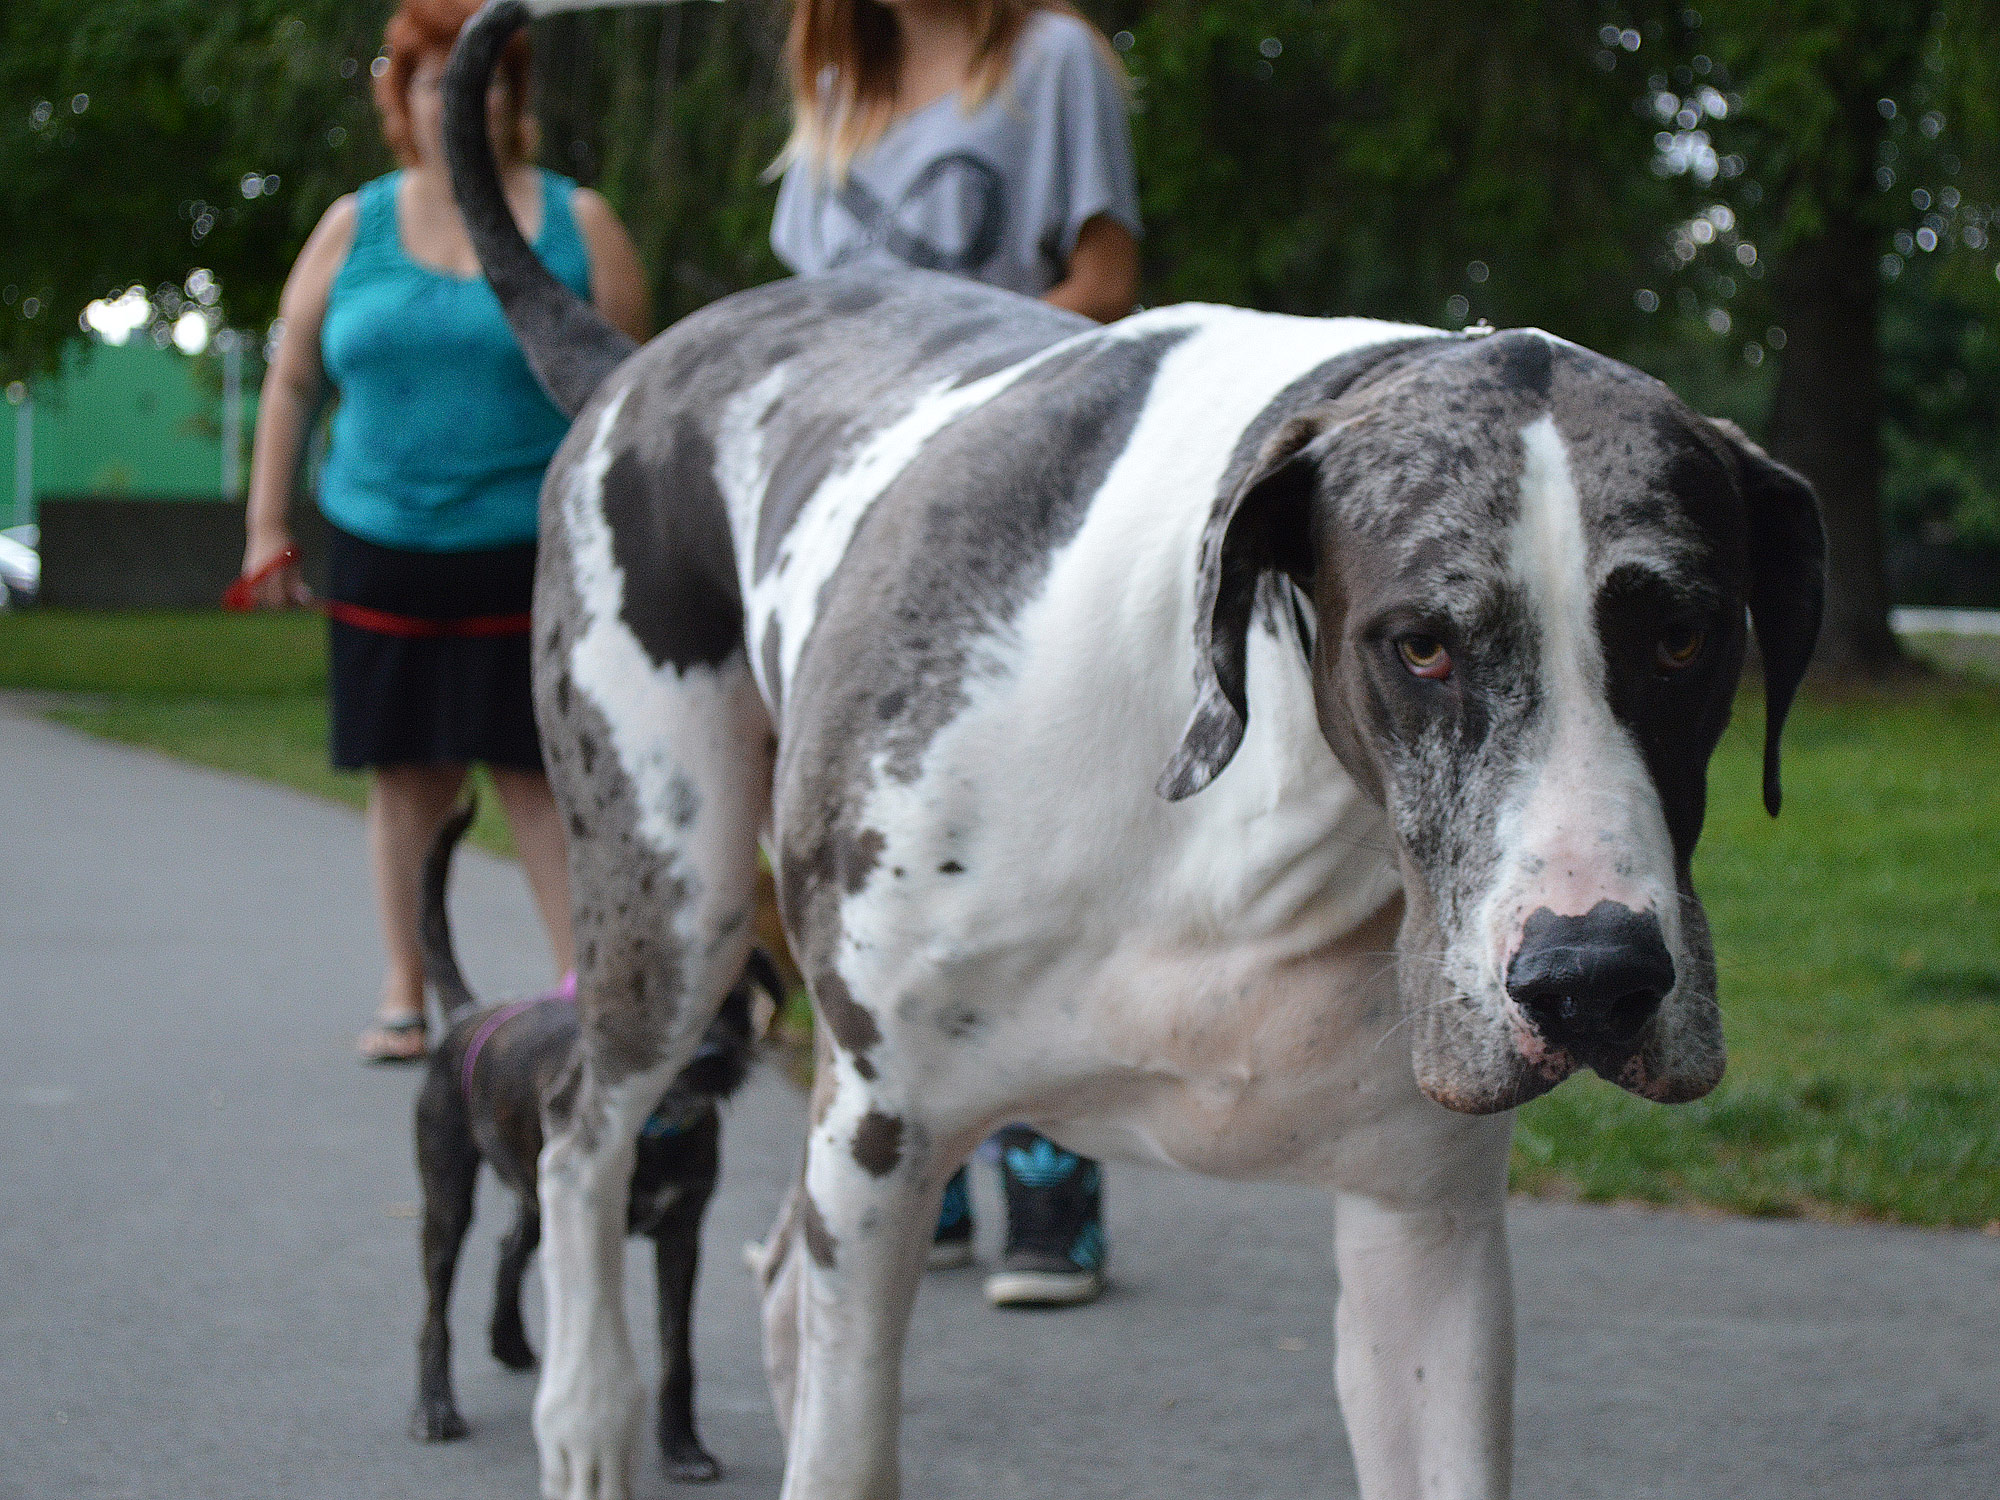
(1268, 745)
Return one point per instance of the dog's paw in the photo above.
(510, 1347)
(690, 1463)
(587, 1432)
(436, 1422)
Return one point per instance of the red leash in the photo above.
(240, 596)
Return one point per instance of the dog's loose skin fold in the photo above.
(1274, 746)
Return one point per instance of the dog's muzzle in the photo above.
(1590, 984)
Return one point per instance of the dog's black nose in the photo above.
(1591, 982)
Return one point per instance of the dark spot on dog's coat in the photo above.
(670, 538)
(1524, 362)
(854, 859)
(820, 1243)
(852, 1025)
(951, 867)
(878, 1143)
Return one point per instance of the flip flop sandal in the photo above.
(384, 1041)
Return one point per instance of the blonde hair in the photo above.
(842, 58)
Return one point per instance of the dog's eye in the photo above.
(1680, 648)
(1425, 656)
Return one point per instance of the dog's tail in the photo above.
(570, 346)
(434, 921)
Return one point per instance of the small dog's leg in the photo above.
(506, 1335)
(448, 1166)
(1424, 1346)
(677, 1252)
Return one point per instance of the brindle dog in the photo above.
(482, 1100)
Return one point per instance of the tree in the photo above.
(140, 139)
(1869, 126)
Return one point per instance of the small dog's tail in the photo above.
(570, 346)
(434, 921)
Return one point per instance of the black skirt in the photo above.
(434, 700)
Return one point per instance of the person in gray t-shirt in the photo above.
(987, 139)
(1015, 191)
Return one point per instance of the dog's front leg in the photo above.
(589, 1405)
(1424, 1342)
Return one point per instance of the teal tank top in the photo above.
(442, 434)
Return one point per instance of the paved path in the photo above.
(208, 1282)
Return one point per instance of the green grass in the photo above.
(161, 653)
(1858, 935)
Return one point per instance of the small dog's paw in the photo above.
(437, 1422)
(510, 1347)
(690, 1463)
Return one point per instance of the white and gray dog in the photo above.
(926, 583)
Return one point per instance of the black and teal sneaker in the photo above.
(1055, 1225)
(951, 1241)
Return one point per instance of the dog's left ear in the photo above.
(1787, 584)
(1262, 525)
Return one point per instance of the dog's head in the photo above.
(1530, 568)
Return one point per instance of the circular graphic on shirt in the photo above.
(958, 190)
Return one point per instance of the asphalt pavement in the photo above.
(209, 1287)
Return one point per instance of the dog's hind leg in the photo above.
(840, 1275)
(448, 1168)
(506, 1335)
(663, 811)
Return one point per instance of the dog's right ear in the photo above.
(1787, 584)
(1262, 525)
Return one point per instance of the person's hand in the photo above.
(283, 586)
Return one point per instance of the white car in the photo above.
(20, 566)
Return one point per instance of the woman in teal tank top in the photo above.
(431, 485)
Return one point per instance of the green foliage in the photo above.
(1941, 370)
(1355, 158)
(128, 132)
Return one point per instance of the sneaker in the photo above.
(951, 1241)
(1055, 1225)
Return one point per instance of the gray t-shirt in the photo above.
(997, 195)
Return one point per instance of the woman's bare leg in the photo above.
(538, 835)
(405, 806)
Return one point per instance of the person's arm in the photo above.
(617, 281)
(1103, 279)
(1084, 131)
(290, 399)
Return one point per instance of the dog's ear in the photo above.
(1261, 525)
(1787, 584)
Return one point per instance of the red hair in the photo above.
(422, 29)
